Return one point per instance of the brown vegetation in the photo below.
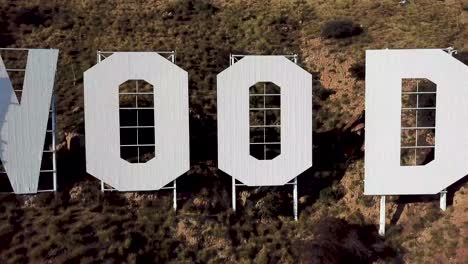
(337, 223)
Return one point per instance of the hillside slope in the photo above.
(337, 223)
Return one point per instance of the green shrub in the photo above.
(332, 194)
(366, 200)
(358, 70)
(465, 6)
(340, 28)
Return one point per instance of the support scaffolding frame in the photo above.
(233, 58)
(443, 194)
(53, 125)
(171, 56)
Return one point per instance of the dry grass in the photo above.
(95, 228)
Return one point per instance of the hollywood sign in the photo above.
(23, 125)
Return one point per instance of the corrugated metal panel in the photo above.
(102, 121)
(385, 70)
(233, 120)
(23, 127)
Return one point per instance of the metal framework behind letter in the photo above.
(385, 173)
(171, 56)
(236, 156)
(233, 59)
(49, 150)
(385, 70)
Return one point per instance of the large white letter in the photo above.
(385, 71)
(23, 125)
(171, 127)
(234, 156)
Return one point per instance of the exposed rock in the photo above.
(137, 199)
(74, 140)
(201, 202)
(75, 193)
(304, 199)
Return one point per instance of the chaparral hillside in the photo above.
(337, 223)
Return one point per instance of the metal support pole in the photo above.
(54, 150)
(295, 179)
(100, 56)
(98, 59)
(382, 216)
(174, 191)
(443, 200)
(233, 194)
(443, 194)
(174, 199)
(295, 199)
(231, 62)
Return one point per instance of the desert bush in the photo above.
(44, 199)
(7, 37)
(32, 16)
(357, 217)
(358, 70)
(332, 194)
(86, 193)
(322, 93)
(462, 56)
(340, 28)
(465, 6)
(337, 241)
(366, 200)
(432, 214)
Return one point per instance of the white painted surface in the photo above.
(233, 120)
(384, 71)
(23, 126)
(382, 217)
(443, 200)
(102, 121)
